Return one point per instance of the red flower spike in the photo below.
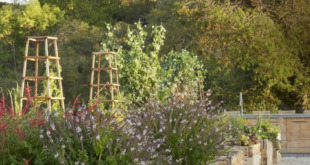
(95, 106)
(39, 114)
(26, 161)
(28, 97)
(20, 134)
(41, 123)
(76, 101)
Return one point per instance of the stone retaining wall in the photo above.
(236, 158)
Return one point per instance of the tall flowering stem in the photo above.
(28, 98)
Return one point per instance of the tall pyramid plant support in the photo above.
(104, 58)
(47, 58)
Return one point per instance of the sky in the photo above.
(11, 1)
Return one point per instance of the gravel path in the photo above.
(295, 159)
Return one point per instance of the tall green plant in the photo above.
(15, 100)
(138, 64)
(144, 72)
(265, 129)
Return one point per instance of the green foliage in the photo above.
(239, 42)
(53, 87)
(248, 137)
(246, 46)
(181, 72)
(17, 19)
(66, 140)
(84, 135)
(257, 47)
(265, 129)
(179, 34)
(39, 18)
(16, 22)
(243, 134)
(109, 147)
(293, 18)
(5, 26)
(239, 123)
(77, 40)
(139, 64)
(141, 72)
(14, 95)
(27, 19)
(97, 12)
(130, 11)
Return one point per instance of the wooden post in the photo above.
(47, 72)
(116, 73)
(111, 80)
(92, 77)
(24, 74)
(36, 69)
(59, 75)
(98, 76)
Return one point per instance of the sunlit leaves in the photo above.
(247, 41)
(5, 26)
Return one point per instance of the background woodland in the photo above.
(258, 47)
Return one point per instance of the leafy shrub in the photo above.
(144, 72)
(189, 130)
(244, 134)
(138, 62)
(248, 139)
(181, 71)
(181, 130)
(266, 130)
(96, 136)
(82, 136)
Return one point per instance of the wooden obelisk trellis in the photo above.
(36, 78)
(104, 58)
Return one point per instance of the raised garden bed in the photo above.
(295, 130)
(252, 154)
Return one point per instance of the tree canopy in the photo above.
(257, 47)
(17, 22)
